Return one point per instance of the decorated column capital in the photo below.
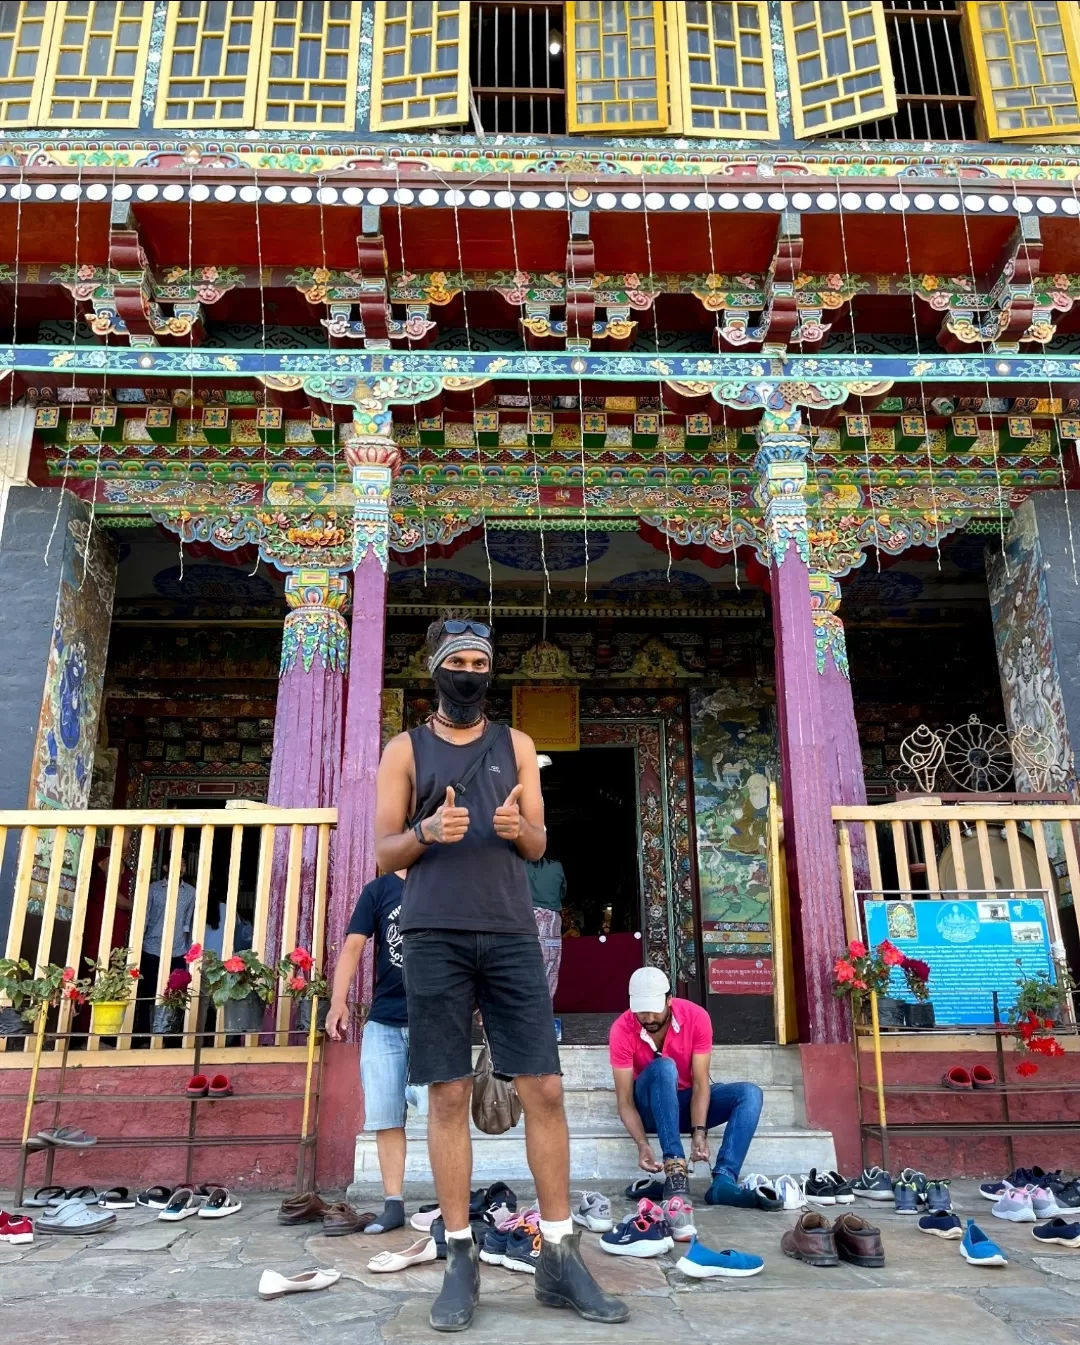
(829, 640)
(315, 626)
(781, 490)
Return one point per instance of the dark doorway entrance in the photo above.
(591, 802)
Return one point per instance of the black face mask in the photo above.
(460, 693)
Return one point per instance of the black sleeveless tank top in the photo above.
(480, 882)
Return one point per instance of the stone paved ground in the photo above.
(195, 1283)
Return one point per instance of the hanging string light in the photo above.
(581, 391)
(74, 345)
(727, 447)
(421, 485)
(659, 381)
(262, 329)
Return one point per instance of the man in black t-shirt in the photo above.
(384, 1051)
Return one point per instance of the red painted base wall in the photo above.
(258, 1167)
(829, 1082)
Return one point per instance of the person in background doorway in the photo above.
(547, 884)
(660, 1051)
(384, 1049)
(153, 932)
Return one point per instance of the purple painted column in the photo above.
(374, 461)
(806, 784)
(845, 752)
(306, 764)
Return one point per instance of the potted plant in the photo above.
(27, 993)
(859, 971)
(920, 1013)
(1039, 1007)
(240, 985)
(172, 1002)
(108, 992)
(305, 982)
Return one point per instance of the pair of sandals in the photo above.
(61, 1137)
(115, 1198)
(206, 1202)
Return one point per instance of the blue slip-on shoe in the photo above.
(942, 1224)
(1064, 1232)
(638, 1236)
(724, 1191)
(906, 1196)
(702, 1263)
(977, 1249)
(938, 1199)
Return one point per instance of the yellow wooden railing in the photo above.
(784, 1015)
(36, 932)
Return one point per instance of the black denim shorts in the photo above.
(448, 973)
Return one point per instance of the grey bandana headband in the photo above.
(457, 644)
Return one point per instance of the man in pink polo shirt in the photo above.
(660, 1051)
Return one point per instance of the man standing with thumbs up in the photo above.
(458, 804)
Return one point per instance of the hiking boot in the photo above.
(563, 1281)
(675, 1179)
(453, 1309)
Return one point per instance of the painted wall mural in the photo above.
(71, 703)
(733, 736)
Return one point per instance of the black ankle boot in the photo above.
(453, 1309)
(564, 1281)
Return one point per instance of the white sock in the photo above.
(555, 1230)
(463, 1233)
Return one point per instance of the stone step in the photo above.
(588, 1067)
(604, 1153)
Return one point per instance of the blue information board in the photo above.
(971, 947)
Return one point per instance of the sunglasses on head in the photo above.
(460, 627)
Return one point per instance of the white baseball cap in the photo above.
(649, 989)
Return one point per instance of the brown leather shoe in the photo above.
(306, 1208)
(858, 1242)
(811, 1240)
(340, 1219)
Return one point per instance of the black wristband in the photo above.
(694, 1129)
(418, 832)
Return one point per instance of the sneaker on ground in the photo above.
(593, 1211)
(1067, 1194)
(646, 1188)
(1020, 1177)
(768, 1197)
(702, 1263)
(16, 1228)
(640, 1236)
(874, 1184)
(791, 1192)
(938, 1199)
(493, 1248)
(918, 1180)
(1064, 1232)
(675, 1179)
(1014, 1205)
(977, 1249)
(820, 1189)
(942, 1224)
(845, 1191)
(1043, 1202)
(906, 1196)
(679, 1214)
(523, 1249)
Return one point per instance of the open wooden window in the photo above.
(24, 39)
(839, 64)
(308, 68)
(420, 64)
(1025, 60)
(722, 68)
(96, 63)
(209, 66)
(616, 66)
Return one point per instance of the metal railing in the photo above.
(51, 897)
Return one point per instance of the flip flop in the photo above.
(68, 1137)
(44, 1196)
(183, 1203)
(75, 1219)
(219, 1205)
(220, 1086)
(86, 1194)
(117, 1198)
(154, 1197)
(417, 1254)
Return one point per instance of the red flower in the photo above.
(69, 974)
(297, 983)
(917, 968)
(1027, 1068)
(193, 953)
(178, 979)
(890, 954)
(858, 985)
(856, 949)
(300, 957)
(134, 973)
(1048, 1023)
(843, 971)
(234, 964)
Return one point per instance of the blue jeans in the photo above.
(664, 1109)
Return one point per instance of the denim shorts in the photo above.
(448, 973)
(384, 1065)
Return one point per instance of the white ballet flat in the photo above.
(273, 1285)
(416, 1255)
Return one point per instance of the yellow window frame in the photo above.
(683, 87)
(383, 85)
(265, 79)
(974, 42)
(250, 80)
(52, 77)
(574, 123)
(800, 89)
(32, 102)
